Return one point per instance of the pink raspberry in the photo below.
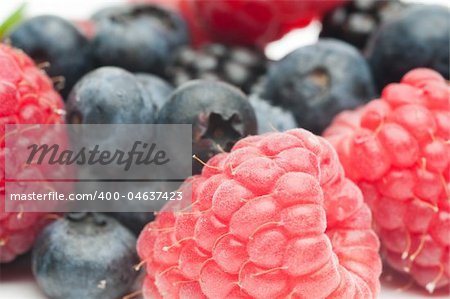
(396, 149)
(274, 218)
(27, 97)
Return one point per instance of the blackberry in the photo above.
(238, 66)
(356, 21)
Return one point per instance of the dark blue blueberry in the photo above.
(318, 81)
(109, 95)
(85, 255)
(220, 115)
(158, 89)
(271, 118)
(56, 41)
(139, 38)
(420, 37)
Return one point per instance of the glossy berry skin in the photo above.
(91, 251)
(396, 149)
(318, 81)
(27, 97)
(275, 217)
(255, 22)
(139, 38)
(271, 118)
(53, 40)
(420, 37)
(109, 95)
(157, 88)
(239, 66)
(357, 20)
(220, 115)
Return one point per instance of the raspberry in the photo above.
(27, 97)
(275, 217)
(240, 21)
(397, 150)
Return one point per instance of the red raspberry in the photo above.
(246, 22)
(275, 217)
(27, 97)
(257, 22)
(397, 150)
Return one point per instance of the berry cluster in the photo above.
(282, 214)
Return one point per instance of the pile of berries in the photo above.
(273, 210)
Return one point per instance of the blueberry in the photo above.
(139, 38)
(158, 89)
(271, 118)
(56, 41)
(420, 37)
(318, 81)
(134, 221)
(109, 95)
(85, 255)
(220, 115)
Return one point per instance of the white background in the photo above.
(16, 280)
